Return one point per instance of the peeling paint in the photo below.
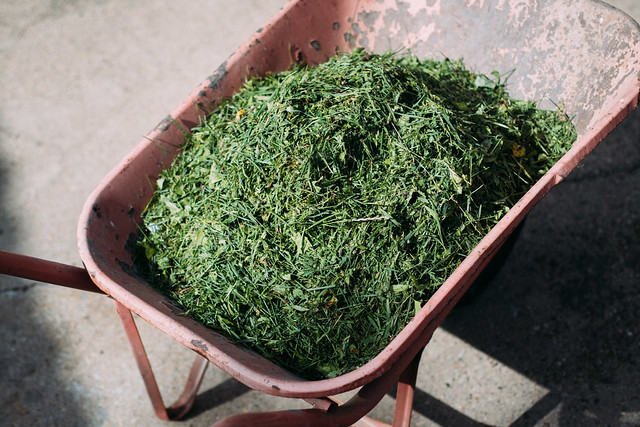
(164, 124)
(219, 74)
(131, 244)
(199, 344)
(369, 18)
(558, 53)
(431, 9)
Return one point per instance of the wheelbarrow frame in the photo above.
(585, 55)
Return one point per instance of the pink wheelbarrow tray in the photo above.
(583, 54)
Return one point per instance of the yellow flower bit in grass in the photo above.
(241, 113)
(518, 150)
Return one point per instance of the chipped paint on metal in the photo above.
(433, 9)
(164, 124)
(200, 345)
(215, 78)
(520, 11)
(527, 40)
(474, 3)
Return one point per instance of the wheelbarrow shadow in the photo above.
(564, 310)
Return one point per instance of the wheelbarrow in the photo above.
(584, 55)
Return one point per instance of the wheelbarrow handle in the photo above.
(46, 271)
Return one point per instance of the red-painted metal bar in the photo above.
(187, 398)
(185, 402)
(364, 421)
(369, 422)
(46, 271)
(405, 393)
(323, 404)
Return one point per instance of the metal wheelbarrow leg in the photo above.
(184, 403)
(70, 276)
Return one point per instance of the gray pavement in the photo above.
(554, 339)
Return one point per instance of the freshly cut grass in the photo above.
(311, 215)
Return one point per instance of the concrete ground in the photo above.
(553, 340)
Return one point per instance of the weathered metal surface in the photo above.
(578, 54)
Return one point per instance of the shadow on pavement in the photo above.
(223, 392)
(31, 386)
(564, 310)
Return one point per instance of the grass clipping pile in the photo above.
(311, 215)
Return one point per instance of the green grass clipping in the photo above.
(313, 213)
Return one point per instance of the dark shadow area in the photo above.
(223, 392)
(31, 393)
(538, 411)
(438, 411)
(564, 310)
